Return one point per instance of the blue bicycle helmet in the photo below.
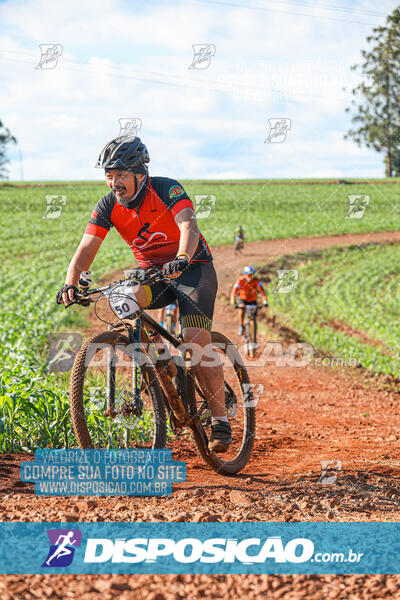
(249, 271)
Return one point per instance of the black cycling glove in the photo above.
(175, 267)
(65, 288)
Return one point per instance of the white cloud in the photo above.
(127, 60)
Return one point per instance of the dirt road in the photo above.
(306, 415)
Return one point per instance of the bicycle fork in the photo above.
(134, 338)
(111, 360)
(137, 404)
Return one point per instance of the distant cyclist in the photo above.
(239, 233)
(239, 238)
(171, 309)
(247, 287)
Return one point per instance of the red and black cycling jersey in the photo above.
(149, 228)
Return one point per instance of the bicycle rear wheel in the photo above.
(103, 366)
(240, 408)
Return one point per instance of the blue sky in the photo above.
(273, 59)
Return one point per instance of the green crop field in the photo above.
(287, 210)
(345, 302)
(36, 250)
(265, 210)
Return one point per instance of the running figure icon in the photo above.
(62, 548)
(63, 543)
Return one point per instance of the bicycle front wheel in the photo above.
(252, 338)
(102, 370)
(240, 409)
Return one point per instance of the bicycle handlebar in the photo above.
(246, 305)
(137, 275)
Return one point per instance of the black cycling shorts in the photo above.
(241, 303)
(195, 291)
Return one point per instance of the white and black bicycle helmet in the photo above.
(128, 153)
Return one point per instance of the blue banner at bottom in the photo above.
(276, 548)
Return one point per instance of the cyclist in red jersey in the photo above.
(247, 286)
(155, 217)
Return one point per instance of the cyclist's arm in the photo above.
(82, 260)
(234, 293)
(189, 239)
(261, 290)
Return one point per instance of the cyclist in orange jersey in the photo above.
(247, 287)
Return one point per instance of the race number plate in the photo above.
(122, 299)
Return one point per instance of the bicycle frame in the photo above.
(178, 406)
(158, 328)
(251, 315)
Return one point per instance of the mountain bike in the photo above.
(250, 329)
(128, 391)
